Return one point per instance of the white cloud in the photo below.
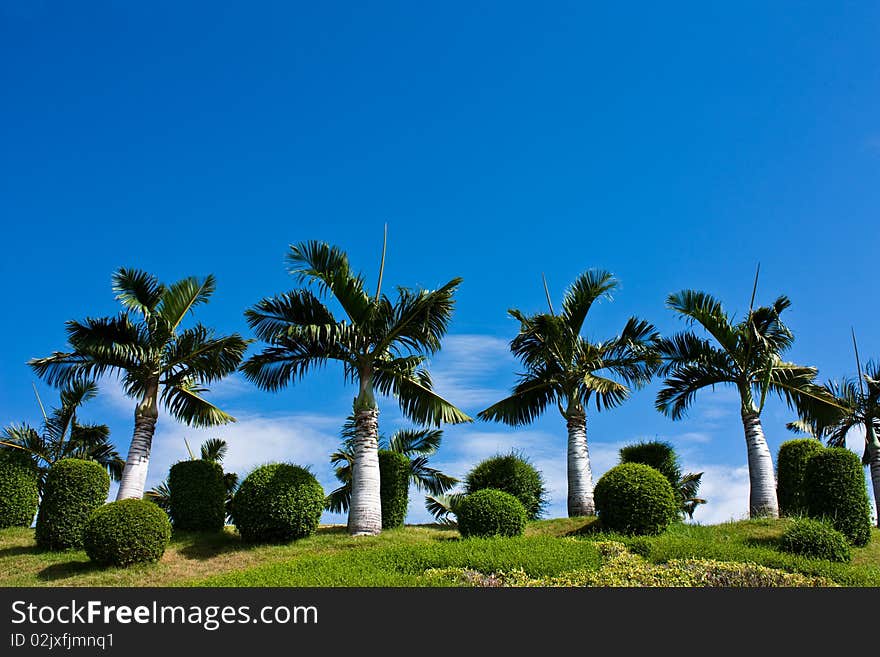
(253, 440)
(463, 370)
(726, 491)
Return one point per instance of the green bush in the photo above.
(490, 512)
(126, 532)
(791, 464)
(513, 474)
(277, 503)
(815, 538)
(659, 455)
(662, 457)
(394, 474)
(834, 484)
(74, 488)
(19, 488)
(197, 496)
(633, 498)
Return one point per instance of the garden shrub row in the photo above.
(824, 483)
(19, 489)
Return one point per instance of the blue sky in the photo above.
(674, 147)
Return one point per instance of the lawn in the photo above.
(549, 552)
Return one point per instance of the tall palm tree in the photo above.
(564, 367)
(746, 355)
(156, 359)
(418, 445)
(856, 406)
(381, 344)
(64, 436)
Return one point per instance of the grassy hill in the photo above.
(553, 552)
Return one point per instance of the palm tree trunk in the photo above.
(365, 512)
(762, 494)
(134, 476)
(874, 464)
(580, 475)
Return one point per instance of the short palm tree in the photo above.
(418, 445)
(746, 355)
(381, 344)
(156, 359)
(563, 367)
(64, 436)
(856, 406)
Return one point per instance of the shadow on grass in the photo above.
(590, 528)
(66, 569)
(771, 542)
(206, 545)
(18, 550)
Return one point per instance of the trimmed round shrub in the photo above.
(277, 503)
(127, 532)
(74, 488)
(815, 538)
(19, 488)
(197, 499)
(514, 474)
(490, 512)
(394, 473)
(834, 484)
(791, 464)
(633, 498)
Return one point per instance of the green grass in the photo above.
(400, 557)
(755, 541)
(379, 565)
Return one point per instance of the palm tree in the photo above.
(381, 344)
(856, 405)
(63, 436)
(418, 445)
(564, 367)
(746, 355)
(156, 359)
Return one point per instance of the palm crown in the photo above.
(855, 405)
(746, 354)
(146, 347)
(564, 367)
(381, 344)
(64, 436)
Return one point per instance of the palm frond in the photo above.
(443, 506)
(416, 397)
(197, 354)
(418, 320)
(430, 479)
(608, 393)
(328, 267)
(682, 384)
(413, 442)
(214, 449)
(137, 290)
(181, 297)
(271, 317)
(160, 496)
(185, 403)
(339, 499)
(586, 289)
(707, 311)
